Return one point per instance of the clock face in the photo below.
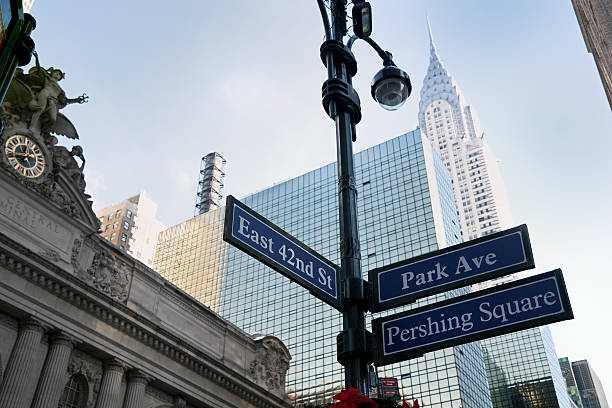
(25, 156)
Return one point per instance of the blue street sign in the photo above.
(266, 242)
(515, 306)
(460, 265)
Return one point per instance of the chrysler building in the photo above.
(521, 367)
(451, 125)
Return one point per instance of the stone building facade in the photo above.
(595, 20)
(82, 324)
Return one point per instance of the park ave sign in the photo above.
(460, 265)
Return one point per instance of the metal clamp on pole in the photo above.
(336, 89)
(354, 343)
(355, 290)
(341, 53)
(345, 97)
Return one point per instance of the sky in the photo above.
(169, 83)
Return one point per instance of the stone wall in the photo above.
(75, 310)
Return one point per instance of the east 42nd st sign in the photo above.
(266, 242)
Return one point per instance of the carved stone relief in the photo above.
(50, 254)
(269, 367)
(76, 250)
(109, 275)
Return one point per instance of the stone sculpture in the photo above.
(31, 119)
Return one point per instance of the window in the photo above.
(128, 214)
(113, 236)
(101, 220)
(121, 247)
(75, 393)
(126, 225)
(115, 224)
(123, 237)
(107, 227)
(118, 213)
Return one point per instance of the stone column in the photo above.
(53, 376)
(109, 397)
(136, 384)
(18, 375)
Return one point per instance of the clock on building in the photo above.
(25, 156)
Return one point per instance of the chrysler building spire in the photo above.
(432, 46)
(451, 125)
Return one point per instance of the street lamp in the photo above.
(390, 88)
(391, 85)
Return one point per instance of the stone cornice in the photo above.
(62, 284)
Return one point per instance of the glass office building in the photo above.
(570, 381)
(524, 370)
(589, 385)
(406, 208)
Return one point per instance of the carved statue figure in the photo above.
(35, 99)
(50, 98)
(65, 159)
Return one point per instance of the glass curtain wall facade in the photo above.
(405, 207)
(589, 385)
(570, 381)
(520, 367)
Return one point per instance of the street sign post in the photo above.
(266, 242)
(522, 304)
(460, 265)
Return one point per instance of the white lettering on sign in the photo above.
(263, 242)
(444, 324)
(288, 254)
(502, 311)
(463, 323)
(435, 274)
(439, 271)
(476, 262)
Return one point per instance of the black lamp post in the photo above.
(390, 88)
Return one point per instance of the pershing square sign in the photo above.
(266, 242)
(518, 305)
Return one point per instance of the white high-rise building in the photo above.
(522, 367)
(451, 125)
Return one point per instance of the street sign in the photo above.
(264, 241)
(460, 265)
(389, 388)
(388, 382)
(514, 306)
